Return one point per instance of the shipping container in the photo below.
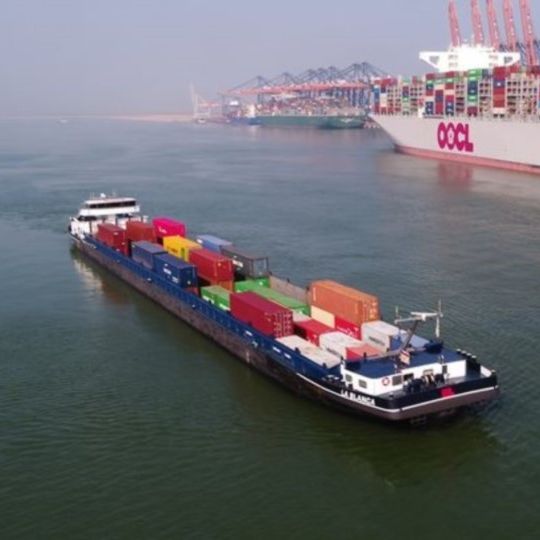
(250, 284)
(310, 351)
(176, 270)
(282, 300)
(263, 315)
(218, 296)
(211, 266)
(137, 231)
(350, 304)
(144, 252)
(179, 246)
(379, 334)
(348, 328)
(337, 343)
(165, 226)
(311, 330)
(213, 243)
(113, 236)
(247, 265)
(324, 317)
(362, 352)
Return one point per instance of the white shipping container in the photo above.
(379, 334)
(337, 343)
(323, 316)
(307, 349)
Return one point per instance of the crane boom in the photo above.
(529, 39)
(494, 33)
(510, 26)
(455, 31)
(478, 29)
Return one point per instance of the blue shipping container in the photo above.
(176, 270)
(213, 243)
(144, 252)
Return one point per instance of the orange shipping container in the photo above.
(345, 302)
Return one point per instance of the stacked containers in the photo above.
(213, 267)
(165, 226)
(176, 270)
(305, 348)
(265, 316)
(338, 343)
(282, 300)
(499, 90)
(213, 243)
(449, 94)
(137, 231)
(473, 77)
(113, 236)
(345, 303)
(144, 252)
(376, 96)
(248, 266)
(218, 296)
(429, 104)
(179, 246)
(311, 330)
(251, 284)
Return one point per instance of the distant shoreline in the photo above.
(156, 117)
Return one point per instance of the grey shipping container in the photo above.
(247, 265)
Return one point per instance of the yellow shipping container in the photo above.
(179, 246)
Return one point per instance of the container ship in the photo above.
(480, 107)
(326, 341)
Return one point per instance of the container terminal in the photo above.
(327, 98)
(326, 341)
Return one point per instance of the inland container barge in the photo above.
(326, 342)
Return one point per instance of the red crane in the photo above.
(455, 31)
(529, 39)
(478, 29)
(510, 27)
(494, 33)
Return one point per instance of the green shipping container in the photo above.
(217, 295)
(251, 284)
(282, 300)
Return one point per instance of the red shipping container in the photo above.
(439, 108)
(357, 353)
(472, 111)
(265, 316)
(112, 236)
(136, 231)
(348, 328)
(212, 266)
(430, 76)
(165, 226)
(311, 330)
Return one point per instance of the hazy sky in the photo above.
(136, 56)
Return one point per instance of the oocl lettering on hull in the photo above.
(452, 136)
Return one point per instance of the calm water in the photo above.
(117, 421)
